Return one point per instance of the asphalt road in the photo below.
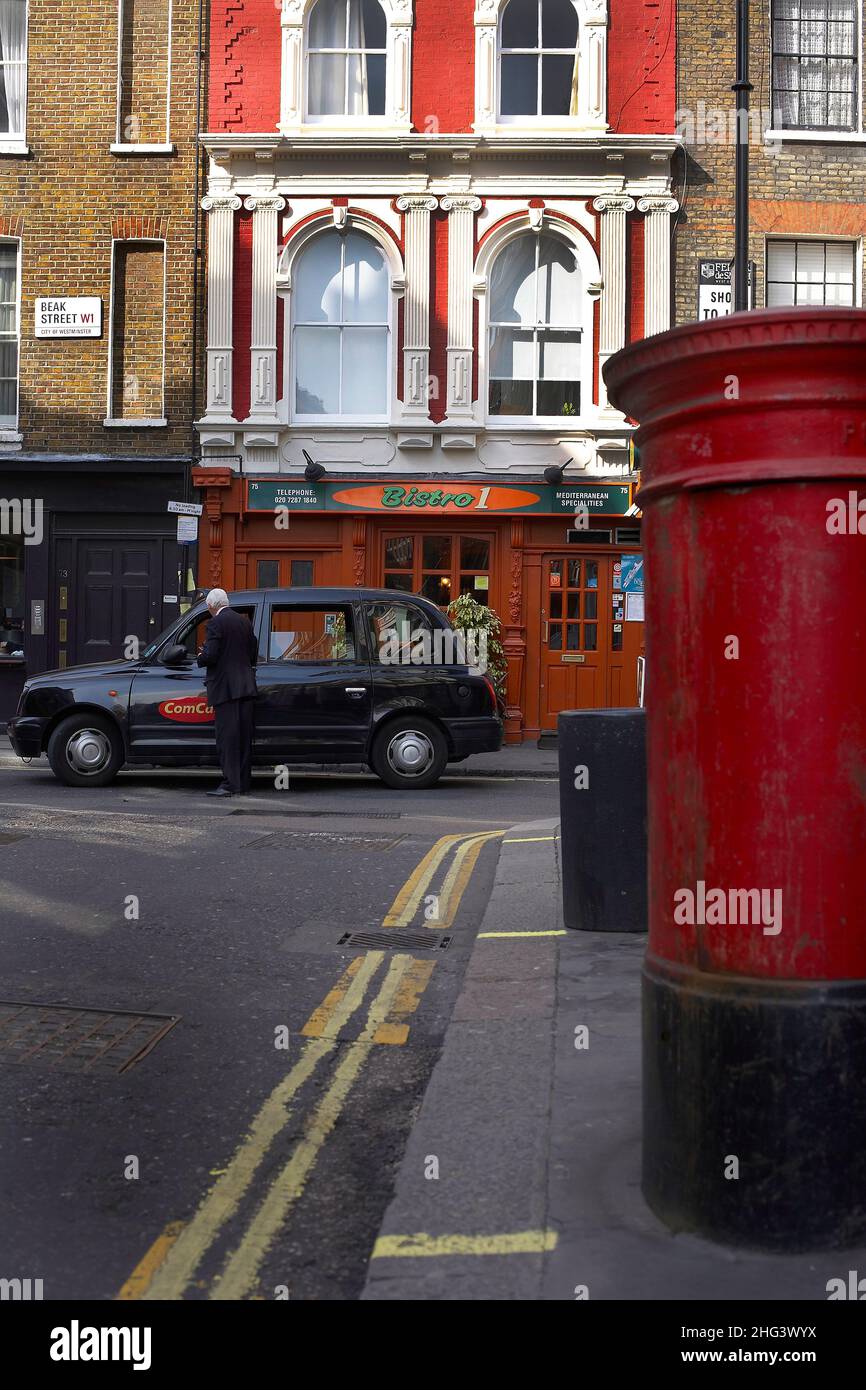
(251, 1152)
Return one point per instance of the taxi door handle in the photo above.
(356, 691)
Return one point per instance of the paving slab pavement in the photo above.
(530, 1129)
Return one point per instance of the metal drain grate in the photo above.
(106, 1041)
(396, 940)
(298, 839)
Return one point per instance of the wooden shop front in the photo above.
(560, 565)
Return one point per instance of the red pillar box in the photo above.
(753, 454)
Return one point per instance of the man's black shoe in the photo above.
(221, 791)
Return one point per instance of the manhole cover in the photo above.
(396, 940)
(76, 1039)
(297, 839)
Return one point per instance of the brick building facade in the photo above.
(807, 149)
(429, 224)
(98, 126)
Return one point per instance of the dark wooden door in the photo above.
(118, 596)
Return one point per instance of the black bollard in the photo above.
(602, 795)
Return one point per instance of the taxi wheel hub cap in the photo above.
(410, 753)
(88, 750)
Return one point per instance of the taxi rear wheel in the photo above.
(410, 754)
(85, 751)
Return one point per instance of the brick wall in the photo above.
(443, 66)
(795, 187)
(641, 66)
(137, 327)
(144, 65)
(70, 197)
(246, 61)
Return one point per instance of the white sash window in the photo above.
(13, 69)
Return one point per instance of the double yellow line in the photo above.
(408, 901)
(170, 1265)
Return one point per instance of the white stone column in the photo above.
(221, 209)
(416, 314)
(292, 66)
(263, 349)
(657, 261)
(614, 210)
(592, 65)
(398, 65)
(461, 209)
(486, 24)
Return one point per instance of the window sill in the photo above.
(9, 435)
(823, 137)
(142, 149)
(344, 127)
(135, 424)
(15, 147)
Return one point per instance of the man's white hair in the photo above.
(217, 599)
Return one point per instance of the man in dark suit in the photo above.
(229, 656)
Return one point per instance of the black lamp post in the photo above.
(742, 87)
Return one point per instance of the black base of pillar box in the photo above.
(773, 1074)
(603, 826)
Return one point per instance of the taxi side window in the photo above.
(311, 634)
(194, 635)
(396, 631)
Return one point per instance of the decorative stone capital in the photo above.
(265, 202)
(615, 202)
(460, 202)
(221, 202)
(658, 204)
(417, 202)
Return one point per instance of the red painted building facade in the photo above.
(428, 227)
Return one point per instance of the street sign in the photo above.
(436, 497)
(68, 318)
(186, 508)
(187, 530)
(715, 294)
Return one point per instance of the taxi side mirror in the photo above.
(174, 656)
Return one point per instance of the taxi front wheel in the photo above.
(410, 754)
(85, 751)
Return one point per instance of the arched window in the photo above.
(346, 42)
(341, 328)
(534, 325)
(538, 58)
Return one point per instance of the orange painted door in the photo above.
(588, 651)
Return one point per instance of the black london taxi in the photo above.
(344, 676)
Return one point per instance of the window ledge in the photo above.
(10, 436)
(19, 147)
(134, 424)
(142, 149)
(824, 137)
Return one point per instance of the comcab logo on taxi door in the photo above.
(191, 709)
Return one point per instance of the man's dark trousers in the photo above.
(234, 741)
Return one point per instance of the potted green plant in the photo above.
(468, 615)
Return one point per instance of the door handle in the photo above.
(356, 691)
(545, 633)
